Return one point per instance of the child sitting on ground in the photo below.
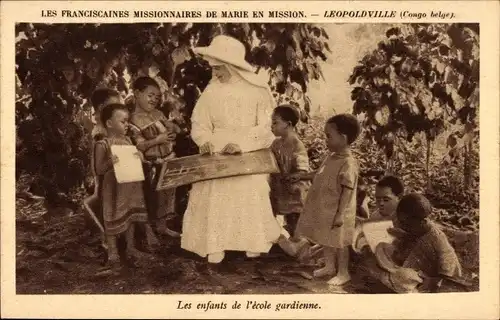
(388, 191)
(287, 198)
(122, 204)
(330, 209)
(154, 135)
(420, 257)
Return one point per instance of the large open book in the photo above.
(187, 170)
(376, 232)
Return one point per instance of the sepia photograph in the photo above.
(246, 158)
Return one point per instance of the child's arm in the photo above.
(347, 180)
(345, 198)
(143, 144)
(102, 161)
(173, 127)
(301, 175)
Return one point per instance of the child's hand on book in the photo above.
(114, 159)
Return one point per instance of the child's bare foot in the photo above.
(292, 248)
(339, 279)
(163, 229)
(113, 260)
(134, 253)
(323, 272)
(152, 242)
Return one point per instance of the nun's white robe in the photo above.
(231, 213)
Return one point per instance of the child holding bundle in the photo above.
(330, 208)
(154, 135)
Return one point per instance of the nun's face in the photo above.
(221, 72)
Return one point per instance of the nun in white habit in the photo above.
(232, 115)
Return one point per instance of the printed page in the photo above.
(405, 86)
(376, 232)
(129, 165)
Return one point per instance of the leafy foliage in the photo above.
(456, 204)
(58, 66)
(422, 78)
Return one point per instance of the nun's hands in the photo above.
(207, 148)
(231, 148)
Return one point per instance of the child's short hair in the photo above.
(99, 96)
(288, 113)
(108, 111)
(415, 206)
(393, 183)
(142, 83)
(346, 124)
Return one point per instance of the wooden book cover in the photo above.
(187, 170)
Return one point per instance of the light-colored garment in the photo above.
(338, 172)
(359, 239)
(291, 156)
(231, 213)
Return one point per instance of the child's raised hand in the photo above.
(114, 159)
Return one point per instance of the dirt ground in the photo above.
(58, 254)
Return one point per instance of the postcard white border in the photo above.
(480, 305)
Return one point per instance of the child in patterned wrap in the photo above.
(122, 203)
(154, 135)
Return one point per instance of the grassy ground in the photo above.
(58, 254)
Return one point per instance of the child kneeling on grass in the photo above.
(420, 258)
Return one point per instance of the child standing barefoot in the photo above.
(330, 209)
(154, 136)
(100, 98)
(288, 197)
(122, 203)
